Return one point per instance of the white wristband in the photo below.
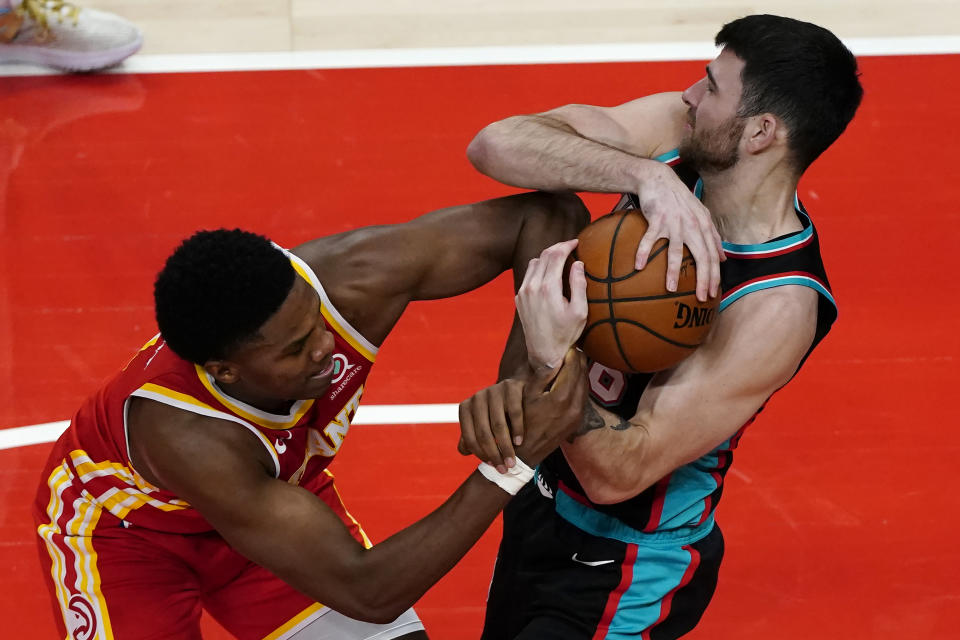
(511, 481)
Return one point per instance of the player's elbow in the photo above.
(361, 589)
(616, 487)
(609, 493)
(554, 215)
(493, 148)
(369, 607)
(483, 148)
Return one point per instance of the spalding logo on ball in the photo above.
(633, 323)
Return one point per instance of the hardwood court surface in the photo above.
(194, 26)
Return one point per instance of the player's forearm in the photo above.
(514, 363)
(609, 456)
(540, 152)
(313, 552)
(394, 574)
(562, 219)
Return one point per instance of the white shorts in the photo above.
(327, 624)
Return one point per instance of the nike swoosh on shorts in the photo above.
(591, 563)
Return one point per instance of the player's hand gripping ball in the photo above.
(633, 323)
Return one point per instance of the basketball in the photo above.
(633, 323)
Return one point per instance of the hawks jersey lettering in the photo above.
(687, 497)
(90, 466)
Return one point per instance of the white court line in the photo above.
(461, 56)
(366, 414)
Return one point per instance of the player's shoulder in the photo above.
(783, 302)
(759, 341)
(348, 254)
(665, 105)
(353, 269)
(648, 126)
(158, 424)
(326, 250)
(165, 439)
(777, 311)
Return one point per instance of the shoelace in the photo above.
(39, 10)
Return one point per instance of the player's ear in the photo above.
(762, 131)
(223, 371)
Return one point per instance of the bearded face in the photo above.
(712, 149)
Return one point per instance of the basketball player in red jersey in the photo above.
(197, 477)
(616, 537)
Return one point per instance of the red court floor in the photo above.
(841, 510)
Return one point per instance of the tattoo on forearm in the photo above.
(593, 421)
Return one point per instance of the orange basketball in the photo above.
(633, 323)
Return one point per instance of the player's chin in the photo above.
(316, 386)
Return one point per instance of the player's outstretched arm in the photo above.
(372, 273)
(608, 149)
(223, 472)
(685, 412)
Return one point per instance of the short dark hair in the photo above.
(217, 289)
(799, 72)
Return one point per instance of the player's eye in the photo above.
(297, 348)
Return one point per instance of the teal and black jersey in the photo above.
(684, 501)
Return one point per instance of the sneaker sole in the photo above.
(68, 60)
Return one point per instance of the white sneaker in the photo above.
(58, 34)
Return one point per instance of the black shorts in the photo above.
(554, 581)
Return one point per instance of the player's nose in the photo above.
(691, 96)
(323, 346)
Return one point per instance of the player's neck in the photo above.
(237, 391)
(752, 204)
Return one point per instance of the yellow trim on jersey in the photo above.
(78, 539)
(286, 423)
(175, 395)
(366, 353)
(301, 272)
(366, 541)
(342, 331)
(120, 501)
(58, 481)
(294, 621)
(88, 469)
(150, 343)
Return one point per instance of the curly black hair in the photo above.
(217, 289)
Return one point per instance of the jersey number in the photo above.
(606, 385)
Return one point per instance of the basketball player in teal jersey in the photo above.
(616, 536)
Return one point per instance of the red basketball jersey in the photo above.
(90, 464)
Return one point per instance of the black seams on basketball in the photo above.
(633, 323)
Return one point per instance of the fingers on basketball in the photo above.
(634, 324)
